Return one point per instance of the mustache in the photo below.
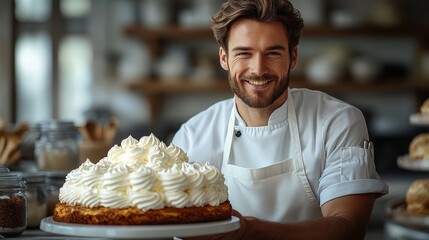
(263, 77)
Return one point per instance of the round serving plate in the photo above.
(410, 164)
(139, 232)
(397, 212)
(419, 119)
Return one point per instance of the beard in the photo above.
(259, 99)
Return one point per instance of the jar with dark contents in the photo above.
(13, 204)
(36, 194)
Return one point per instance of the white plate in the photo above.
(139, 232)
(416, 165)
(397, 211)
(419, 119)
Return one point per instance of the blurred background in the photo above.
(152, 64)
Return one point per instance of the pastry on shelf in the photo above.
(417, 197)
(422, 116)
(419, 147)
(424, 108)
(417, 158)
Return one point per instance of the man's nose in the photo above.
(258, 65)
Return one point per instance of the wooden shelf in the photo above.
(178, 86)
(168, 32)
(386, 85)
(156, 90)
(364, 30)
(184, 86)
(155, 39)
(177, 32)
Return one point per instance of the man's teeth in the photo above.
(258, 83)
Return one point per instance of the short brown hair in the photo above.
(259, 10)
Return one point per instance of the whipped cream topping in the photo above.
(146, 174)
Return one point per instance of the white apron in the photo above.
(279, 192)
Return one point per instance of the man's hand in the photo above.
(234, 235)
(343, 218)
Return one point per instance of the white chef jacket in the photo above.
(331, 133)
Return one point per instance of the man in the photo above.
(292, 158)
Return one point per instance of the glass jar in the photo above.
(36, 198)
(13, 204)
(54, 181)
(57, 149)
(4, 170)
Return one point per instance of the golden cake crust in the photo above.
(134, 216)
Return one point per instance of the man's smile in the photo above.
(258, 83)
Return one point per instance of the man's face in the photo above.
(258, 61)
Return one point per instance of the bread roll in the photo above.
(424, 109)
(417, 197)
(419, 147)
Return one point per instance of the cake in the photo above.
(419, 147)
(417, 197)
(143, 182)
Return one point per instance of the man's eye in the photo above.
(242, 54)
(274, 54)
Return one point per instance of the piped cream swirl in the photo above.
(146, 174)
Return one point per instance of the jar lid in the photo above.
(33, 178)
(55, 124)
(12, 180)
(4, 170)
(55, 176)
(54, 128)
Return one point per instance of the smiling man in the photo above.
(259, 63)
(292, 158)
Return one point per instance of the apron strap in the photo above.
(228, 140)
(296, 141)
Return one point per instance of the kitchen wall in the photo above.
(387, 112)
(5, 63)
(118, 59)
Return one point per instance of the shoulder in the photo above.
(322, 105)
(216, 113)
(202, 136)
(208, 124)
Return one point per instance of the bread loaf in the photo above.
(417, 197)
(424, 108)
(419, 147)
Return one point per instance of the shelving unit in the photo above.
(156, 37)
(400, 222)
(155, 88)
(221, 85)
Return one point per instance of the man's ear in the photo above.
(294, 58)
(223, 58)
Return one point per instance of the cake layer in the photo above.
(134, 216)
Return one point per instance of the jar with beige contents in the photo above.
(56, 148)
(54, 181)
(36, 198)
